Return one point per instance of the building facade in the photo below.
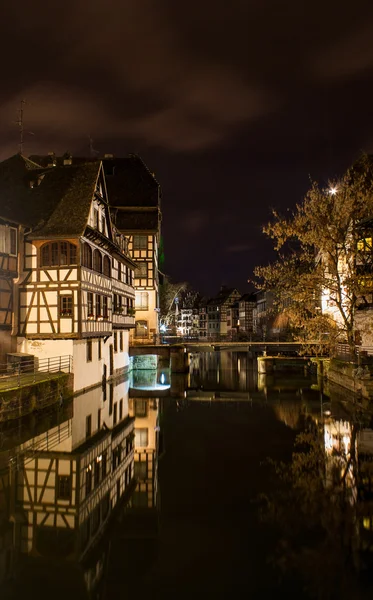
(74, 295)
(217, 312)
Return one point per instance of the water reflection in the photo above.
(80, 488)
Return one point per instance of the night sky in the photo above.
(232, 104)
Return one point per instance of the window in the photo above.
(142, 269)
(120, 410)
(57, 254)
(97, 472)
(105, 307)
(141, 329)
(141, 301)
(88, 426)
(103, 224)
(121, 341)
(141, 469)
(99, 349)
(119, 271)
(89, 351)
(141, 437)
(104, 464)
(140, 407)
(98, 306)
(66, 306)
(12, 241)
(8, 240)
(63, 487)
(88, 480)
(99, 418)
(140, 242)
(365, 245)
(90, 305)
(115, 342)
(107, 266)
(96, 220)
(97, 261)
(87, 256)
(115, 417)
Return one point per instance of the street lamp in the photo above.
(333, 191)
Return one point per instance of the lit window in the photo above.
(141, 437)
(365, 245)
(57, 254)
(63, 487)
(142, 300)
(66, 306)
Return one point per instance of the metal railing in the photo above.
(24, 370)
(360, 354)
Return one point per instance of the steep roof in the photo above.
(249, 297)
(54, 201)
(129, 181)
(223, 296)
(133, 220)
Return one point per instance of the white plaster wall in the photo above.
(89, 373)
(122, 359)
(45, 348)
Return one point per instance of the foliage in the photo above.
(168, 292)
(313, 519)
(319, 252)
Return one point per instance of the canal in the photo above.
(160, 487)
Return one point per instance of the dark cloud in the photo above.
(232, 104)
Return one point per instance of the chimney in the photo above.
(67, 159)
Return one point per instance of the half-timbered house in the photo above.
(135, 205)
(76, 293)
(70, 479)
(13, 222)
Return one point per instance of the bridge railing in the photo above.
(22, 370)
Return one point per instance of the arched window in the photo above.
(55, 254)
(97, 261)
(141, 330)
(87, 256)
(107, 266)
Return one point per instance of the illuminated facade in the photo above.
(217, 312)
(74, 294)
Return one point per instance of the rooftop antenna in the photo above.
(19, 122)
(92, 151)
(20, 125)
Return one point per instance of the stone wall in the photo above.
(346, 374)
(24, 400)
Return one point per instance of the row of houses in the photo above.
(229, 315)
(79, 243)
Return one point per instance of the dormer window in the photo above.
(58, 254)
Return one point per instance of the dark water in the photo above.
(174, 513)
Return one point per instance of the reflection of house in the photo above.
(145, 411)
(69, 480)
(75, 293)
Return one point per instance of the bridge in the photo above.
(178, 354)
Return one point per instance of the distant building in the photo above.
(262, 314)
(217, 312)
(74, 291)
(202, 319)
(233, 321)
(246, 304)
